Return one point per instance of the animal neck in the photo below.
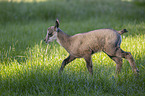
(63, 39)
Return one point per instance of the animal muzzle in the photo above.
(45, 40)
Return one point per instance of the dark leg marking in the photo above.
(89, 64)
(66, 61)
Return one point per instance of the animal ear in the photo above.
(57, 23)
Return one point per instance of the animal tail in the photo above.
(122, 31)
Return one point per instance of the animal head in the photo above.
(52, 32)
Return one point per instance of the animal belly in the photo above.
(81, 52)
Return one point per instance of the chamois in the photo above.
(83, 45)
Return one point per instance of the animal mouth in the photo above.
(46, 41)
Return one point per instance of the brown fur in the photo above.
(83, 45)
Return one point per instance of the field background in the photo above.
(30, 67)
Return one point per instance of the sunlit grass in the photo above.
(128, 0)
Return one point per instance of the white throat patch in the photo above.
(58, 42)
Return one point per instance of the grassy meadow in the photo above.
(28, 66)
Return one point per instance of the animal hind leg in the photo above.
(127, 55)
(118, 62)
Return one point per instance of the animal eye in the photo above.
(50, 34)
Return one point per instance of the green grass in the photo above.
(30, 67)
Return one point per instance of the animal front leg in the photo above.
(89, 64)
(65, 62)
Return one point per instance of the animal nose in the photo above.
(45, 40)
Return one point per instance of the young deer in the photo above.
(83, 45)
